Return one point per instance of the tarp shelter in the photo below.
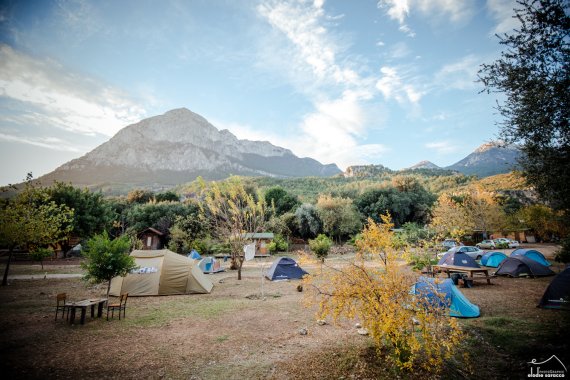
(194, 255)
(517, 266)
(493, 259)
(445, 294)
(284, 268)
(161, 272)
(210, 265)
(458, 258)
(557, 294)
(531, 254)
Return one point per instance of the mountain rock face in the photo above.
(177, 147)
(489, 159)
(424, 165)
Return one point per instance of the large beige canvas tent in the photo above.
(162, 272)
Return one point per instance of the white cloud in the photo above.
(454, 10)
(52, 143)
(392, 86)
(67, 100)
(460, 75)
(502, 12)
(443, 147)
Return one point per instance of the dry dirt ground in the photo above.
(233, 333)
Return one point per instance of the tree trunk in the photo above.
(108, 288)
(5, 279)
(239, 267)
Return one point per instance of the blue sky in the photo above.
(387, 82)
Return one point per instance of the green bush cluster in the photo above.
(320, 246)
(278, 244)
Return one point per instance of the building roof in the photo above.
(259, 235)
(153, 230)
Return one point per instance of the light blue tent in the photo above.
(493, 259)
(449, 296)
(531, 254)
(194, 255)
(210, 265)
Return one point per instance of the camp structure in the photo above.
(194, 255)
(531, 254)
(210, 265)
(445, 294)
(557, 294)
(493, 259)
(284, 268)
(458, 258)
(520, 266)
(161, 272)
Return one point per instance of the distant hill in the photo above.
(177, 147)
(489, 159)
(424, 165)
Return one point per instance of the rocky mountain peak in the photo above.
(425, 165)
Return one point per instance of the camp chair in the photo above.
(62, 305)
(122, 305)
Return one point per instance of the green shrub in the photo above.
(278, 244)
(320, 246)
(563, 255)
(40, 254)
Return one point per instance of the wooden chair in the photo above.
(62, 305)
(122, 305)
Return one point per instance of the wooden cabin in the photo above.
(151, 238)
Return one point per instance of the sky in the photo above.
(389, 82)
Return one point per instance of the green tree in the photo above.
(233, 211)
(106, 258)
(167, 196)
(140, 196)
(31, 220)
(321, 246)
(533, 74)
(92, 214)
(308, 222)
(339, 216)
(280, 200)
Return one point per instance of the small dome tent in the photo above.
(285, 268)
(161, 272)
(447, 295)
(210, 265)
(517, 266)
(531, 254)
(557, 294)
(458, 258)
(493, 259)
(194, 255)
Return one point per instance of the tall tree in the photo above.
(533, 73)
(280, 200)
(233, 212)
(31, 220)
(339, 216)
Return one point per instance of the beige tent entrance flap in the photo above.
(162, 272)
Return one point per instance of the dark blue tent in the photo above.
(458, 258)
(557, 295)
(516, 266)
(284, 268)
(194, 255)
(531, 254)
(493, 259)
(445, 294)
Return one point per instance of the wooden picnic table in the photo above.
(83, 305)
(473, 273)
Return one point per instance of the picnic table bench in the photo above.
(472, 273)
(83, 305)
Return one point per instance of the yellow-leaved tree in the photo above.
(376, 289)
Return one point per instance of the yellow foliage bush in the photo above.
(375, 288)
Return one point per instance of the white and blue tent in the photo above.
(210, 265)
(493, 259)
(285, 268)
(445, 294)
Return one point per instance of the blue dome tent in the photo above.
(194, 255)
(446, 295)
(531, 254)
(458, 258)
(284, 268)
(493, 259)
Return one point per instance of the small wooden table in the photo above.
(474, 273)
(83, 305)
